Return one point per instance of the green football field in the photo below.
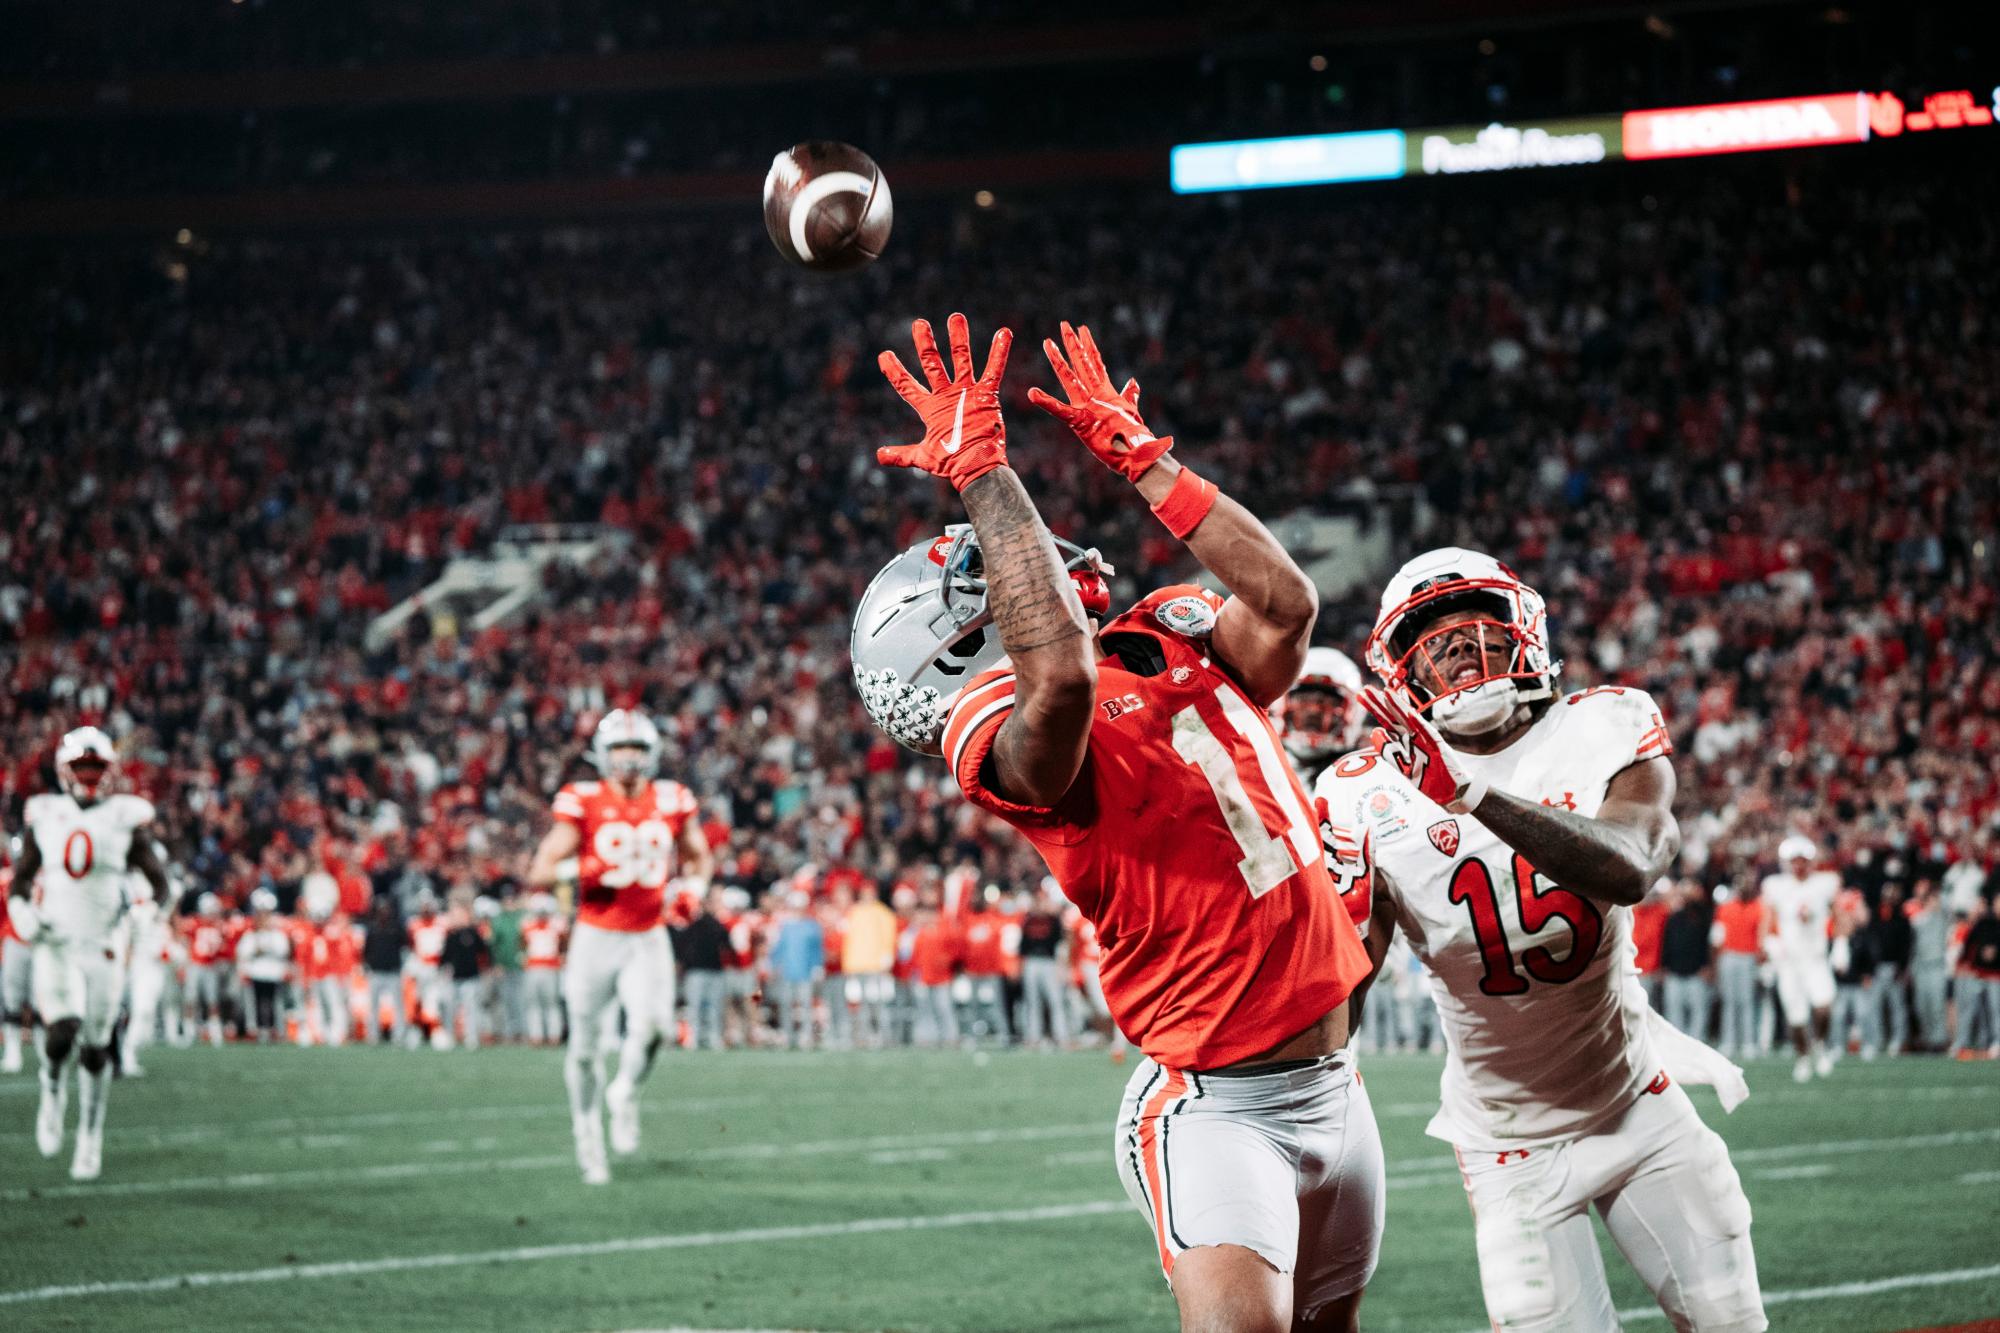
(386, 1189)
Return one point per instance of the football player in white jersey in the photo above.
(1798, 904)
(1507, 831)
(1321, 717)
(81, 844)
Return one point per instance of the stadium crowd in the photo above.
(1738, 430)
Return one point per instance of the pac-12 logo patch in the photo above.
(1190, 616)
(1444, 836)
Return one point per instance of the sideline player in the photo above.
(1321, 717)
(81, 842)
(16, 968)
(542, 937)
(631, 832)
(1798, 905)
(1508, 831)
(1135, 753)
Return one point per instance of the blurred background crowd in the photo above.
(1735, 419)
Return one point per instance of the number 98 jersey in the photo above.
(82, 887)
(629, 849)
(1544, 1040)
(1186, 842)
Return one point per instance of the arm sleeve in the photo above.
(568, 805)
(970, 728)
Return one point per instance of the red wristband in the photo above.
(1187, 504)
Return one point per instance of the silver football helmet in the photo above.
(924, 628)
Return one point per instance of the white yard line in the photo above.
(1950, 1138)
(182, 1135)
(400, 1171)
(580, 1250)
(1979, 1178)
(1807, 1171)
(1839, 1290)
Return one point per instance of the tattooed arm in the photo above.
(1267, 623)
(1614, 857)
(1041, 745)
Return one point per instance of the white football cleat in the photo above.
(88, 1163)
(623, 1103)
(590, 1150)
(49, 1118)
(1802, 1069)
(132, 1069)
(1824, 1064)
(10, 1063)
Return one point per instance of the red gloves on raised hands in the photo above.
(964, 437)
(1104, 418)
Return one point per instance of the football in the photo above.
(827, 206)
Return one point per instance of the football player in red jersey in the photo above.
(630, 833)
(1134, 751)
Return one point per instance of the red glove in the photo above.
(1104, 418)
(964, 437)
(1415, 747)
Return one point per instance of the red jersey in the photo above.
(746, 940)
(629, 849)
(340, 951)
(6, 917)
(542, 943)
(206, 940)
(1649, 929)
(982, 937)
(1739, 919)
(234, 927)
(934, 953)
(1186, 840)
(427, 938)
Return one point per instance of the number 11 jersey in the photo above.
(1544, 1039)
(1186, 843)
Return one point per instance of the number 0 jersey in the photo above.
(1186, 843)
(629, 849)
(1544, 1040)
(82, 888)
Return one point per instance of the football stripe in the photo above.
(809, 197)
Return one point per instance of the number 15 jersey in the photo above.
(1186, 843)
(629, 849)
(1544, 1040)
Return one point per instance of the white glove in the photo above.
(26, 918)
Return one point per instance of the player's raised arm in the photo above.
(1614, 856)
(558, 845)
(1264, 629)
(697, 857)
(1040, 747)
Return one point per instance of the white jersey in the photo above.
(1545, 1041)
(82, 889)
(1801, 909)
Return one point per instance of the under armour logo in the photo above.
(1568, 801)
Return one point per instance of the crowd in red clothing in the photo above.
(1738, 431)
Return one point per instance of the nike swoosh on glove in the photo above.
(964, 435)
(1105, 419)
(1415, 747)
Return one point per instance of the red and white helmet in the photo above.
(1317, 738)
(89, 747)
(633, 734)
(1514, 665)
